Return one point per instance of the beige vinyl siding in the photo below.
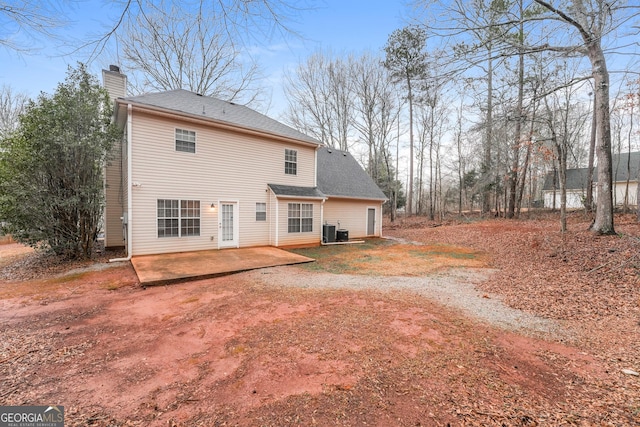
(352, 215)
(226, 166)
(115, 198)
(620, 190)
(115, 84)
(574, 199)
(285, 238)
(125, 180)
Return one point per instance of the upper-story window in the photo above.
(185, 141)
(290, 162)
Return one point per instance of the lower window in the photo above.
(178, 218)
(261, 211)
(300, 217)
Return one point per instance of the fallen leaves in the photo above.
(236, 351)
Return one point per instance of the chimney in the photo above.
(114, 82)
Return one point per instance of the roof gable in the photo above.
(340, 175)
(206, 107)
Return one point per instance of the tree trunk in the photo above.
(513, 176)
(626, 188)
(523, 177)
(555, 186)
(603, 223)
(410, 192)
(420, 195)
(460, 164)
(592, 148)
(432, 196)
(486, 164)
(563, 188)
(638, 193)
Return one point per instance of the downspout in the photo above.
(315, 172)
(269, 215)
(322, 219)
(277, 220)
(129, 192)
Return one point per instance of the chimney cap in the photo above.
(114, 68)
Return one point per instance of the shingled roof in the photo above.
(190, 103)
(294, 191)
(619, 162)
(340, 175)
(577, 178)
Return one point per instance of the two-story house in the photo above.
(196, 173)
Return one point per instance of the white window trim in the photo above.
(300, 218)
(180, 218)
(288, 161)
(263, 204)
(175, 141)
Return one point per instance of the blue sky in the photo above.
(338, 25)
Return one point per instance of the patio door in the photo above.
(371, 221)
(228, 225)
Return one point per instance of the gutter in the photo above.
(129, 192)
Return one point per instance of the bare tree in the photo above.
(175, 49)
(479, 35)
(23, 23)
(433, 114)
(519, 116)
(319, 93)
(627, 111)
(12, 105)
(406, 60)
(193, 45)
(592, 21)
(565, 122)
(529, 142)
(376, 118)
(240, 20)
(375, 107)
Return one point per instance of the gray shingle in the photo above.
(294, 191)
(193, 104)
(577, 178)
(339, 174)
(619, 166)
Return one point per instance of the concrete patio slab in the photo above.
(167, 268)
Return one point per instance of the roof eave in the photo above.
(377, 199)
(290, 197)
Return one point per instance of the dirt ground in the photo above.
(238, 350)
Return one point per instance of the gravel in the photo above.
(453, 288)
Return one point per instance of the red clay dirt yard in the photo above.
(486, 323)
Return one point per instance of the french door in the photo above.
(228, 225)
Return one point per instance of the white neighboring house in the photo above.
(196, 173)
(624, 167)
